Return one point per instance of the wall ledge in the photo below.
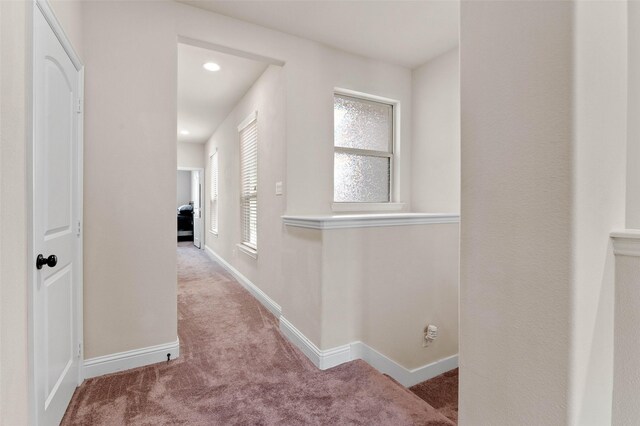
(626, 242)
(368, 220)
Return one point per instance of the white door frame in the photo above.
(203, 195)
(44, 7)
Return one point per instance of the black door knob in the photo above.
(50, 261)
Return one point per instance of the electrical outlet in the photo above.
(430, 334)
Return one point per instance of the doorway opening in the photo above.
(190, 208)
(215, 87)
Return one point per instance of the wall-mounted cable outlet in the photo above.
(430, 334)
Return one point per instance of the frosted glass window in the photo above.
(362, 124)
(361, 178)
(363, 144)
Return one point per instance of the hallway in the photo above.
(236, 368)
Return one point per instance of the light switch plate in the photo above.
(278, 188)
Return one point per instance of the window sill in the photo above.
(366, 207)
(369, 220)
(248, 250)
(626, 242)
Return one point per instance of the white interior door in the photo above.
(56, 225)
(196, 196)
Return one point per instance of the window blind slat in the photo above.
(213, 205)
(249, 184)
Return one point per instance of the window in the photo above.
(213, 204)
(249, 182)
(363, 150)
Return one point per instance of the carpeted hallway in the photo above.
(236, 368)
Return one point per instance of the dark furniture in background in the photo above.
(185, 223)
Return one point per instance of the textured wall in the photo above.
(191, 155)
(435, 151)
(626, 410)
(516, 272)
(14, 255)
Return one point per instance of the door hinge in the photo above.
(79, 106)
(80, 350)
(79, 229)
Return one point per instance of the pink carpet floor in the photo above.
(235, 368)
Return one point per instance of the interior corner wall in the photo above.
(599, 184)
(516, 259)
(633, 124)
(435, 157)
(191, 156)
(392, 281)
(15, 39)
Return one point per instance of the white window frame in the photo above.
(394, 202)
(214, 194)
(248, 247)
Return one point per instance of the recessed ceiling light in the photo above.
(211, 66)
(184, 132)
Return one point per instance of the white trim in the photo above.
(127, 360)
(266, 301)
(366, 207)
(253, 253)
(626, 242)
(250, 119)
(365, 96)
(52, 20)
(321, 359)
(50, 17)
(369, 220)
(224, 49)
(395, 184)
(328, 358)
(406, 377)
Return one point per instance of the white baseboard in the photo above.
(262, 297)
(403, 375)
(127, 360)
(328, 358)
(321, 359)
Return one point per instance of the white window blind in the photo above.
(213, 205)
(249, 182)
(363, 150)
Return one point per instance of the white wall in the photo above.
(266, 97)
(516, 258)
(435, 157)
(183, 188)
(392, 281)
(191, 155)
(14, 119)
(599, 160)
(626, 409)
(130, 142)
(633, 125)
(543, 184)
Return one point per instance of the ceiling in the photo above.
(205, 98)
(407, 33)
